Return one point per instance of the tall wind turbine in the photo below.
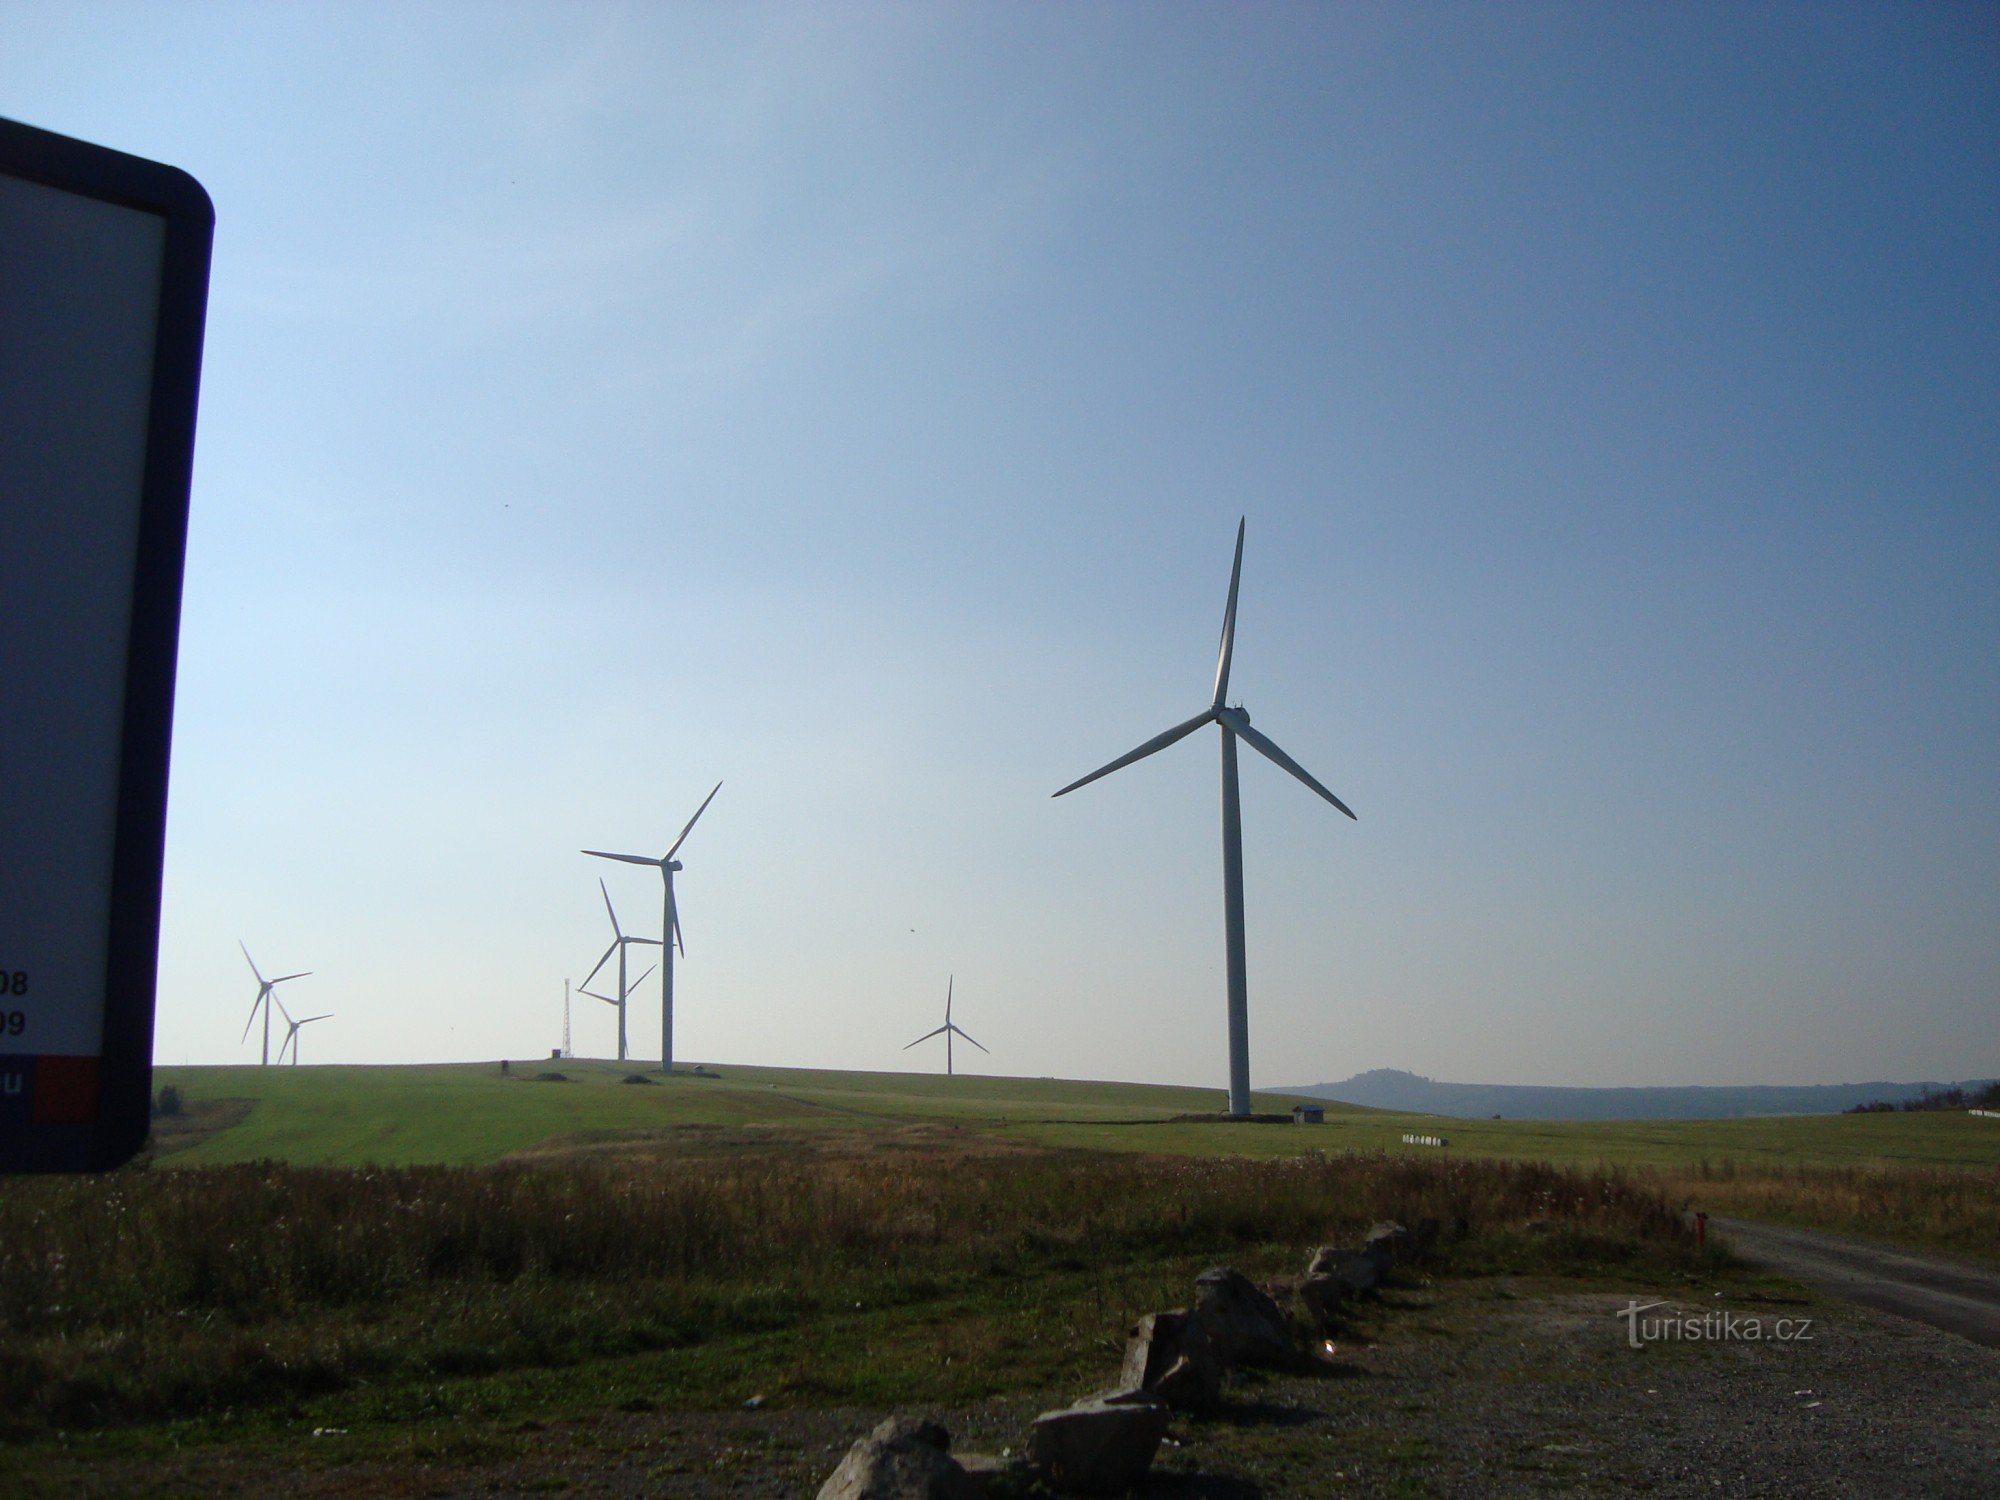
(619, 943)
(947, 1031)
(293, 1028)
(1235, 725)
(670, 924)
(264, 989)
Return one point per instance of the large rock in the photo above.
(1172, 1356)
(1357, 1271)
(903, 1459)
(1388, 1243)
(1247, 1326)
(1321, 1296)
(1097, 1447)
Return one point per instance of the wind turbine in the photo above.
(264, 989)
(1234, 724)
(670, 924)
(948, 1031)
(292, 1034)
(619, 943)
(608, 1000)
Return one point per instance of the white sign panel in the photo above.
(103, 278)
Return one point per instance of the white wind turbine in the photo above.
(947, 1031)
(293, 1028)
(264, 989)
(1235, 725)
(608, 1000)
(619, 943)
(670, 924)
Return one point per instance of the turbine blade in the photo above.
(302, 974)
(630, 859)
(253, 1017)
(927, 1036)
(249, 960)
(674, 921)
(950, 979)
(595, 996)
(608, 911)
(1278, 757)
(640, 980)
(1157, 742)
(692, 821)
(282, 1011)
(1229, 622)
(310, 1019)
(599, 964)
(968, 1036)
(644, 942)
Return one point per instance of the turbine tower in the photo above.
(293, 1028)
(948, 1031)
(264, 989)
(1235, 725)
(610, 1001)
(619, 943)
(670, 924)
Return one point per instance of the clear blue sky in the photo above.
(856, 404)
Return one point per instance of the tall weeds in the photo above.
(1939, 1208)
(163, 1292)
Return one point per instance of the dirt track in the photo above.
(1957, 1298)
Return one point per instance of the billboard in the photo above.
(103, 287)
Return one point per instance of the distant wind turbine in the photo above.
(610, 1001)
(947, 1031)
(670, 924)
(1235, 725)
(619, 943)
(293, 1028)
(264, 989)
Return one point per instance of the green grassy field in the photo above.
(470, 1255)
(463, 1114)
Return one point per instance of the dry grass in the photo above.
(162, 1293)
(1947, 1209)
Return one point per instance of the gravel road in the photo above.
(1957, 1298)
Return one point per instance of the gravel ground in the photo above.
(1477, 1388)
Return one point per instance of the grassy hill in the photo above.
(468, 1113)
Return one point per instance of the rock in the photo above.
(1096, 1447)
(1359, 1273)
(1321, 1297)
(1173, 1358)
(1388, 1242)
(1247, 1326)
(999, 1477)
(1325, 1258)
(903, 1459)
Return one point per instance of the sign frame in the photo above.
(79, 1137)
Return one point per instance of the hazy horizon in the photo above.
(855, 405)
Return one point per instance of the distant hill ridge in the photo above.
(1391, 1088)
